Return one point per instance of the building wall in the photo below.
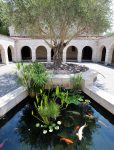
(71, 53)
(108, 42)
(41, 53)
(6, 42)
(96, 45)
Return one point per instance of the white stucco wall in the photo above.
(96, 45)
(6, 42)
(108, 42)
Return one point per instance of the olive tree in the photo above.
(3, 24)
(57, 22)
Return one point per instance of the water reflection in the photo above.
(73, 117)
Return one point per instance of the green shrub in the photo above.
(76, 81)
(32, 76)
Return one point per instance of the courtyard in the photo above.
(56, 75)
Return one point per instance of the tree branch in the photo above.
(75, 35)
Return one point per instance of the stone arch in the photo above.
(71, 53)
(112, 61)
(26, 53)
(102, 54)
(87, 53)
(10, 53)
(1, 53)
(52, 54)
(41, 53)
(111, 55)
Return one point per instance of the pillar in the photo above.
(4, 56)
(64, 54)
(108, 57)
(49, 55)
(79, 58)
(33, 51)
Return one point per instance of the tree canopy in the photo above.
(59, 19)
(3, 24)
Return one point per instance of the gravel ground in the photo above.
(8, 80)
(8, 83)
(66, 68)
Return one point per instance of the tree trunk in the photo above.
(58, 55)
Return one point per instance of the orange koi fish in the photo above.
(67, 141)
(76, 127)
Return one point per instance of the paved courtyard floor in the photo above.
(8, 79)
(105, 80)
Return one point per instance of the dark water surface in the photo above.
(18, 131)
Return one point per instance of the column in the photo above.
(49, 55)
(108, 57)
(33, 54)
(79, 59)
(4, 54)
(64, 54)
(94, 57)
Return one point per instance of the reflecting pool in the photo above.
(18, 129)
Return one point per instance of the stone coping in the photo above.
(11, 99)
(103, 98)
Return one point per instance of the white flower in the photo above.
(57, 128)
(42, 126)
(37, 125)
(59, 122)
(50, 130)
(44, 131)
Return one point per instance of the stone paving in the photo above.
(105, 80)
(8, 79)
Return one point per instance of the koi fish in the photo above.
(76, 127)
(80, 132)
(2, 144)
(89, 116)
(67, 141)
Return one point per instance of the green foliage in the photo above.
(61, 95)
(47, 110)
(18, 65)
(76, 83)
(60, 17)
(57, 20)
(32, 76)
(74, 99)
(3, 19)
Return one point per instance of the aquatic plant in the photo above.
(32, 76)
(76, 82)
(48, 110)
(74, 99)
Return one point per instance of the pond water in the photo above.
(18, 131)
